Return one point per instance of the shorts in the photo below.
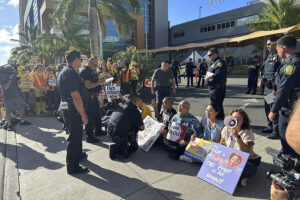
(14, 104)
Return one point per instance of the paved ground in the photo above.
(33, 160)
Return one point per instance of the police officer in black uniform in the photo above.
(288, 88)
(202, 72)
(189, 68)
(175, 69)
(71, 92)
(271, 66)
(89, 77)
(123, 125)
(253, 75)
(217, 80)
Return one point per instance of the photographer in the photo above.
(12, 96)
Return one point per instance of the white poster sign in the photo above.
(112, 92)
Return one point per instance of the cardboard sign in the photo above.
(52, 82)
(177, 132)
(26, 82)
(198, 149)
(112, 92)
(147, 137)
(223, 167)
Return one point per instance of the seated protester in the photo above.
(145, 109)
(212, 123)
(183, 117)
(242, 138)
(123, 129)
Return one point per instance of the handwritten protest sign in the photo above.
(147, 137)
(223, 167)
(26, 82)
(198, 149)
(177, 132)
(112, 92)
(52, 82)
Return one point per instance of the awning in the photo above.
(252, 38)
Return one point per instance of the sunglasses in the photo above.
(269, 44)
(209, 55)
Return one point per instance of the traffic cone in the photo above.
(146, 81)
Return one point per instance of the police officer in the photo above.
(190, 72)
(71, 93)
(202, 72)
(89, 77)
(217, 79)
(270, 68)
(163, 77)
(175, 69)
(123, 129)
(253, 75)
(288, 88)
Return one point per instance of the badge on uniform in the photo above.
(274, 58)
(219, 64)
(289, 70)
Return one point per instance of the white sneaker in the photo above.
(186, 158)
(244, 182)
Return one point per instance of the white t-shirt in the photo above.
(231, 141)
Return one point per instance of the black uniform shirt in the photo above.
(126, 117)
(288, 87)
(190, 68)
(87, 74)
(68, 81)
(219, 68)
(203, 68)
(174, 68)
(270, 68)
(254, 71)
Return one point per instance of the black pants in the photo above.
(283, 123)
(133, 84)
(272, 125)
(190, 78)
(74, 142)
(217, 95)
(94, 117)
(161, 93)
(176, 79)
(252, 82)
(199, 80)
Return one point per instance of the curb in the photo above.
(10, 187)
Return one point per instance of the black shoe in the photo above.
(273, 136)
(100, 133)
(24, 123)
(78, 170)
(174, 156)
(197, 87)
(187, 86)
(133, 147)
(10, 128)
(83, 156)
(253, 93)
(248, 92)
(267, 130)
(92, 140)
(113, 151)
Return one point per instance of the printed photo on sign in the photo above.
(112, 92)
(223, 167)
(147, 137)
(198, 149)
(177, 132)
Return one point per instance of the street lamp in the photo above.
(149, 3)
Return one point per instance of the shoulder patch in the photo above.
(289, 69)
(219, 64)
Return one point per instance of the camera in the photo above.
(5, 72)
(289, 177)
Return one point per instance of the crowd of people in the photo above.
(79, 88)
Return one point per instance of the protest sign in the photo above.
(198, 149)
(177, 132)
(223, 167)
(52, 82)
(147, 137)
(26, 82)
(112, 92)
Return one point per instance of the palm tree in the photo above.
(99, 13)
(277, 15)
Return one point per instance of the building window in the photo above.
(246, 20)
(223, 25)
(219, 26)
(232, 23)
(201, 30)
(179, 34)
(213, 27)
(227, 24)
(209, 28)
(205, 29)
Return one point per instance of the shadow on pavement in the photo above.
(33, 159)
(118, 184)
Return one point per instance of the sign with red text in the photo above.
(177, 132)
(223, 167)
(198, 149)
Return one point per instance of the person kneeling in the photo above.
(124, 123)
(242, 138)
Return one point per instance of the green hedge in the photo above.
(238, 70)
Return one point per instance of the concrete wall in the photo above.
(161, 23)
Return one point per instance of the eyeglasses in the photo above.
(209, 55)
(269, 44)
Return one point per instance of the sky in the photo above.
(180, 11)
